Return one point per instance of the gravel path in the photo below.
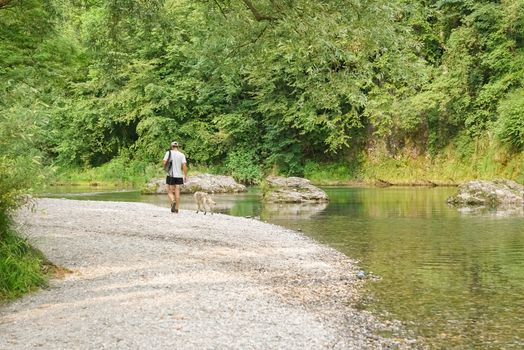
(143, 278)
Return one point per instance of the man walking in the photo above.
(176, 166)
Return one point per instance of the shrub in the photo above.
(244, 166)
(510, 125)
(330, 173)
(20, 265)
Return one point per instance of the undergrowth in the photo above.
(21, 266)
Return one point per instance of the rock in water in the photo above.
(212, 184)
(291, 190)
(202, 182)
(505, 193)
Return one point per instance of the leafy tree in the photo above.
(28, 77)
(510, 125)
(282, 81)
(479, 62)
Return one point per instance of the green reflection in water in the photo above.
(457, 278)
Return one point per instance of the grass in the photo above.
(117, 173)
(331, 174)
(449, 168)
(21, 266)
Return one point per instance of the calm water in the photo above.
(456, 278)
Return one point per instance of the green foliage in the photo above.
(20, 265)
(120, 171)
(155, 134)
(220, 80)
(331, 174)
(244, 166)
(252, 90)
(510, 125)
(20, 170)
(31, 60)
(20, 159)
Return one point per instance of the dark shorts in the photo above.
(174, 180)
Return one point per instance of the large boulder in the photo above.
(278, 189)
(503, 193)
(201, 182)
(212, 183)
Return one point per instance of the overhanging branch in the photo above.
(221, 9)
(249, 42)
(258, 16)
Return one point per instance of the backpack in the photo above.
(169, 164)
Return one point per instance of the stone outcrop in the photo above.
(212, 183)
(201, 182)
(498, 193)
(278, 189)
(155, 186)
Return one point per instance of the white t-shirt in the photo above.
(177, 159)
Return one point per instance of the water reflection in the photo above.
(499, 212)
(458, 278)
(292, 211)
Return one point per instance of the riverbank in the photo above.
(142, 277)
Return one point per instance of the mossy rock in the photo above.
(277, 189)
(489, 193)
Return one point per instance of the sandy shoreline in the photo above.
(143, 278)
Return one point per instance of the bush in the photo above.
(20, 265)
(510, 125)
(119, 171)
(244, 166)
(20, 171)
(327, 174)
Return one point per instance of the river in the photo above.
(455, 278)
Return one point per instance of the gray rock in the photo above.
(497, 193)
(201, 182)
(291, 190)
(155, 186)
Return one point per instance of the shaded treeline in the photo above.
(253, 86)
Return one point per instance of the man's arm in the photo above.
(184, 169)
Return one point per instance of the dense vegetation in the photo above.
(337, 89)
(293, 86)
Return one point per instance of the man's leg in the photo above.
(171, 194)
(177, 197)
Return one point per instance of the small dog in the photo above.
(204, 201)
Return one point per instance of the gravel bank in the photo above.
(143, 278)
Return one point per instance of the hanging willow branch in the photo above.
(221, 9)
(258, 16)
